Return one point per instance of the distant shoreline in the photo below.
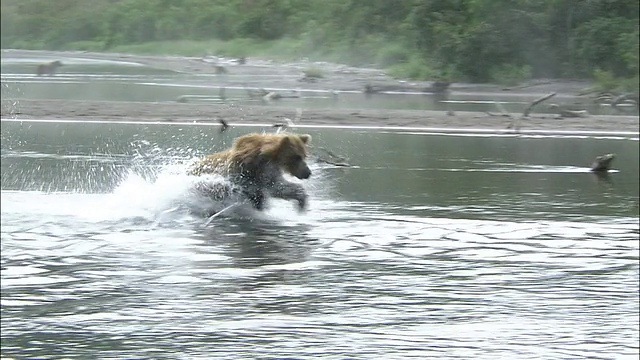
(337, 77)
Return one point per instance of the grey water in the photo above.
(426, 246)
(92, 79)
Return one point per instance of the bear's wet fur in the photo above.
(257, 162)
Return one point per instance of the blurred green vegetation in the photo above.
(503, 41)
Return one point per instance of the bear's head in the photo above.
(288, 151)
(292, 153)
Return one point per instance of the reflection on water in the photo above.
(427, 247)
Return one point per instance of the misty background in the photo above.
(502, 41)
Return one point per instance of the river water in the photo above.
(460, 246)
(427, 246)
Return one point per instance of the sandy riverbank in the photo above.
(337, 77)
(177, 112)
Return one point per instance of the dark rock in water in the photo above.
(603, 163)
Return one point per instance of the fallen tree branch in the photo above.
(536, 102)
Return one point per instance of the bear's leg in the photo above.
(257, 198)
(290, 191)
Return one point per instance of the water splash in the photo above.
(10, 105)
(171, 194)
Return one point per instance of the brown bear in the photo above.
(49, 69)
(256, 163)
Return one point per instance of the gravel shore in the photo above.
(337, 77)
(202, 113)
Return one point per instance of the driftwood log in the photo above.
(602, 163)
(535, 102)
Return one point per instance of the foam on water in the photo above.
(169, 195)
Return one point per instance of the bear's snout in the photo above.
(305, 173)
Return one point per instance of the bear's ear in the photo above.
(306, 138)
(285, 142)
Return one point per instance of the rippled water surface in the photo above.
(428, 246)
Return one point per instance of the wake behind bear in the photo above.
(255, 164)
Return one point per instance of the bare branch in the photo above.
(536, 102)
